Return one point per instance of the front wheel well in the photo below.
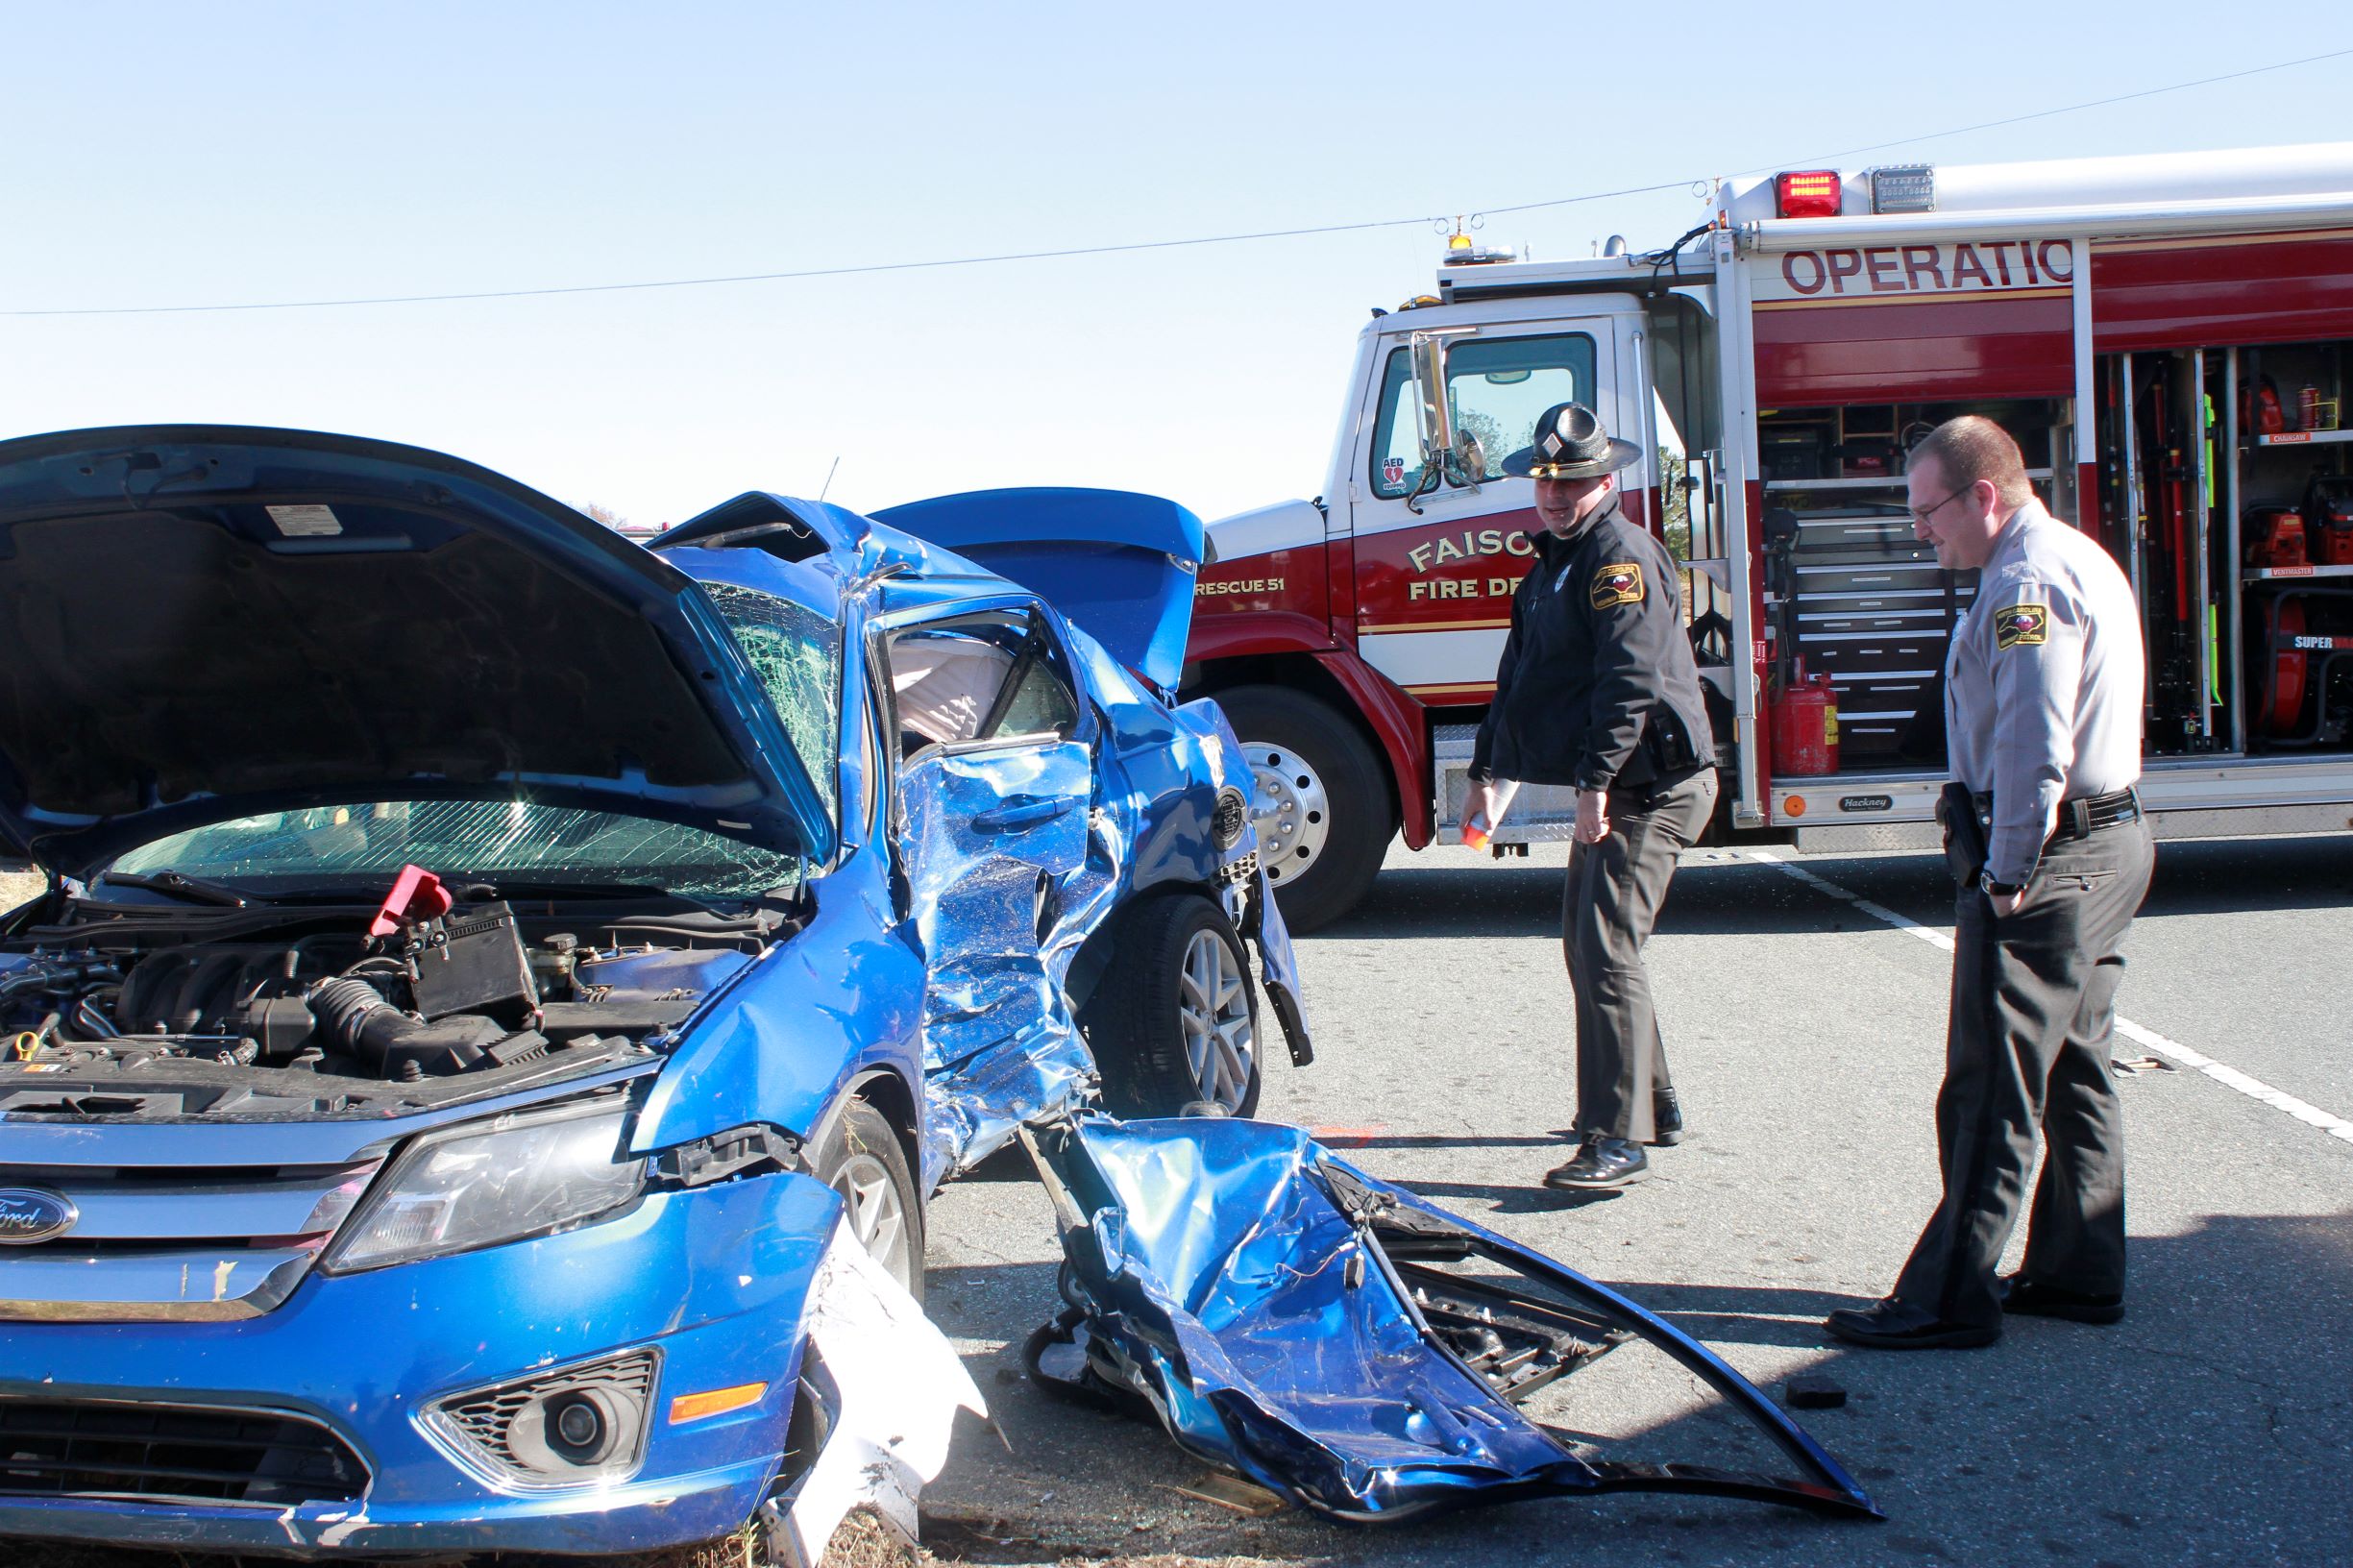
(889, 1094)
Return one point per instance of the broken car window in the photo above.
(796, 653)
(979, 677)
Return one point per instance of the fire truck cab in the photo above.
(2166, 336)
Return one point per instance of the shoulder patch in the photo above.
(1618, 583)
(2020, 626)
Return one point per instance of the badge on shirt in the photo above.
(2020, 626)
(1619, 583)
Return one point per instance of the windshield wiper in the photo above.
(502, 887)
(172, 884)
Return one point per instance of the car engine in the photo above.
(435, 987)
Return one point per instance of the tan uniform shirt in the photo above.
(2043, 683)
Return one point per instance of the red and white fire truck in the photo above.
(2167, 337)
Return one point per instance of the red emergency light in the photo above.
(1807, 193)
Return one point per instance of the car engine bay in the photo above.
(147, 1011)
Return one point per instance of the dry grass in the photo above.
(16, 887)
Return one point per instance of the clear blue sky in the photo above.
(169, 154)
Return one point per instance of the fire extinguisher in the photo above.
(2290, 666)
(1805, 726)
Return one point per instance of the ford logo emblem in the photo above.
(29, 1214)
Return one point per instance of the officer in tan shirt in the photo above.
(2042, 710)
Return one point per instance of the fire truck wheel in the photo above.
(1323, 813)
(1174, 1022)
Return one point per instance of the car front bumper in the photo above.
(715, 1282)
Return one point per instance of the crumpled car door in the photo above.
(995, 842)
(1339, 1342)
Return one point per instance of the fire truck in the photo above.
(2166, 336)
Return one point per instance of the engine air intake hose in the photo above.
(354, 1017)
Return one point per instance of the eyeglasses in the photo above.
(1922, 514)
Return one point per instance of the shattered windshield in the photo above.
(796, 653)
(484, 839)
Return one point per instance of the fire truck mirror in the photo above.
(1468, 464)
(1429, 394)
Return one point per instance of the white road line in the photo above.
(2173, 1050)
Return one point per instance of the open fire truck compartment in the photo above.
(2166, 336)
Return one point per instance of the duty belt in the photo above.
(2083, 815)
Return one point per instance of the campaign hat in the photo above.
(1571, 443)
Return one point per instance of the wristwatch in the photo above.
(1999, 890)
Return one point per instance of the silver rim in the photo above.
(1213, 1007)
(877, 1219)
(1292, 814)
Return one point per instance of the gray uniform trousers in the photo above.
(1608, 908)
(2033, 1010)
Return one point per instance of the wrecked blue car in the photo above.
(504, 995)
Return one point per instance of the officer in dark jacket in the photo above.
(1596, 690)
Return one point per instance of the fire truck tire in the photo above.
(1324, 818)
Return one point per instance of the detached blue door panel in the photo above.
(993, 841)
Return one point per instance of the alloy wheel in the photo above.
(1214, 1010)
(877, 1218)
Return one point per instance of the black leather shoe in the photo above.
(1666, 1120)
(1604, 1162)
(1898, 1325)
(2034, 1299)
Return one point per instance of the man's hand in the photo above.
(1479, 804)
(1592, 815)
(2006, 903)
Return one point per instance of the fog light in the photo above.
(578, 1427)
(581, 1424)
(1231, 817)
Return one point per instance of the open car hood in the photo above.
(204, 622)
(1118, 565)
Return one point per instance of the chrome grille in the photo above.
(165, 1453)
(187, 1243)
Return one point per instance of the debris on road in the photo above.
(1295, 1322)
(1812, 1391)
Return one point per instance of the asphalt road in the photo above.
(2214, 1425)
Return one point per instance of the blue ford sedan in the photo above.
(504, 995)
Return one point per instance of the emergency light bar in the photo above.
(1807, 193)
(1910, 187)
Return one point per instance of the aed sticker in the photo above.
(1618, 583)
(306, 522)
(2020, 626)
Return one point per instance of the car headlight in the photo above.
(484, 1183)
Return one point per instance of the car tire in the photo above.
(861, 1158)
(1174, 1020)
(1322, 807)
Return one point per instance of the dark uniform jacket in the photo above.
(1597, 686)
